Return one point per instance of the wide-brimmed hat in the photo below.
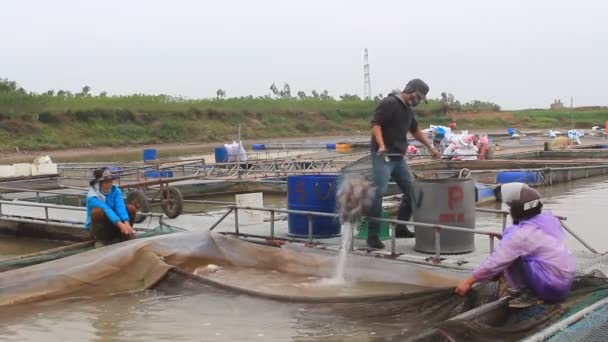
(520, 194)
(102, 174)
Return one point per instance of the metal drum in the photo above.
(450, 202)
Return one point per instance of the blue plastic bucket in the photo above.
(331, 146)
(510, 130)
(528, 177)
(221, 155)
(312, 193)
(149, 154)
(258, 147)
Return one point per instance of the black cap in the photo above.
(417, 85)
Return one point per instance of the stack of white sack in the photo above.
(462, 147)
(236, 152)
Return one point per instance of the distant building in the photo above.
(557, 104)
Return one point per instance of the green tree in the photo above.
(8, 86)
(221, 94)
(286, 92)
(86, 91)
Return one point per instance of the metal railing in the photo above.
(310, 214)
(436, 227)
(47, 206)
(537, 169)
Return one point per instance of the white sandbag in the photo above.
(236, 152)
(43, 160)
(43, 165)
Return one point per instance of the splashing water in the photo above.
(347, 237)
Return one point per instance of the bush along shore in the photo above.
(57, 120)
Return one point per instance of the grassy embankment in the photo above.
(32, 121)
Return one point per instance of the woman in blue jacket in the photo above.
(108, 217)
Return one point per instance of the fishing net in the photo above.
(508, 324)
(77, 248)
(419, 305)
(362, 167)
(593, 328)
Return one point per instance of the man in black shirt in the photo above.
(392, 120)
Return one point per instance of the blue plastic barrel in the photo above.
(159, 174)
(331, 146)
(258, 147)
(312, 193)
(529, 177)
(149, 154)
(116, 170)
(221, 155)
(510, 130)
(484, 193)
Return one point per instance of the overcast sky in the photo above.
(517, 53)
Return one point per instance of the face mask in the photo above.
(413, 101)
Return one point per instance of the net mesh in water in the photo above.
(427, 311)
(508, 324)
(426, 316)
(593, 328)
(77, 248)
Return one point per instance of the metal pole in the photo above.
(551, 330)
(272, 224)
(393, 239)
(236, 220)
(220, 220)
(310, 240)
(491, 243)
(38, 196)
(238, 155)
(504, 221)
(351, 232)
(579, 239)
(46, 214)
(437, 244)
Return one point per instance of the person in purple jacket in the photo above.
(532, 254)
